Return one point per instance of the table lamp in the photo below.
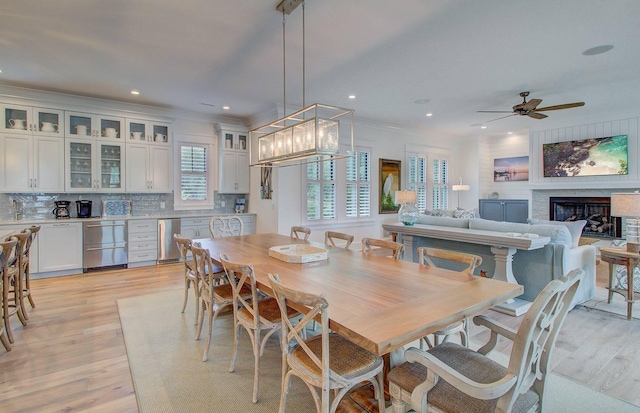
(408, 213)
(627, 205)
(458, 188)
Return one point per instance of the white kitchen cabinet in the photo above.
(149, 168)
(196, 227)
(249, 223)
(28, 120)
(94, 165)
(92, 125)
(142, 242)
(31, 163)
(60, 247)
(149, 131)
(233, 154)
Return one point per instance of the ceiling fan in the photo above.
(530, 108)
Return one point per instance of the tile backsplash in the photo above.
(40, 206)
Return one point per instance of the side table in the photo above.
(620, 256)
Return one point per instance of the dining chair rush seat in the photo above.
(298, 232)
(190, 276)
(225, 226)
(331, 236)
(3, 336)
(382, 247)
(326, 362)
(257, 314)
(454, 378)
(11, 281)
(216, 293)
(25, 268)
(425, 257)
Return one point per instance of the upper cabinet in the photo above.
(233, 153)
(91, 125)
(149, 131)
(30, 120)
(94, 165)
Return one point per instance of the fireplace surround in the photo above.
(595, 210)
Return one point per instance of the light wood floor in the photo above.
(71, 356)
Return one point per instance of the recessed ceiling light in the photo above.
(352, 96)
(135, 92)
(483, 127)
(598, 50)
(421, 101)
(429, 114)
(509, 133)
(225, 107)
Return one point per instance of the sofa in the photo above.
(533, 269)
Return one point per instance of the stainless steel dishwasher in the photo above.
(105, 244)
(167, 247)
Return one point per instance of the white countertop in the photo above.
(27, 222)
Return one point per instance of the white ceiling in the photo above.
(460, 55)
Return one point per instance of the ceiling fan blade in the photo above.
(536, 115)
(565, 106)
(531, 104)
(495, 111)
(508, 116)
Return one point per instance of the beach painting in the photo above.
(511, 169)
(595, 156)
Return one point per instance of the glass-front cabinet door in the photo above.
(148, 131)
(94, 166)
(89, 125)
(31, 120)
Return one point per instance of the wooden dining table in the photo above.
(377, 302)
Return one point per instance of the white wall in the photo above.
(496, 147)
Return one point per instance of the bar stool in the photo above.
(3, 336)
(25, 291)
(11, 282)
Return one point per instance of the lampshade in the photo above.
(405, 196)
(460, 187)
(625, 204)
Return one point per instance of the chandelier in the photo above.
(304, 136)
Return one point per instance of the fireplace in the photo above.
(595, 210)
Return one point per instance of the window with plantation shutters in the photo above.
(193, 172)
(339, 190)
(428, 175)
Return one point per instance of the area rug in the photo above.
(169, 374)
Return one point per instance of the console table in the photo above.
(620, 256)
(503, 246)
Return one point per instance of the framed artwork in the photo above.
(511, 169)
(388, 185)
(595, 156)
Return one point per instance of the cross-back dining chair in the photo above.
(225, 226)
(382, 247)
(425, 257)
(25, 269)
(11, 284)
(216, 293)
(3, 262)
(454, 378)
(190, 276)
(326, 362)
(298, 232)
(330, 238)
(257, 315)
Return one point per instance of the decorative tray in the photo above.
(298, 253)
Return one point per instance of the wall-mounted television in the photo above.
(587, 157)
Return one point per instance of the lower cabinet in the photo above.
(142, 244)
(509, 210)
(60, 247)
(196, 227)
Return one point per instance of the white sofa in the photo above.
(532, 269)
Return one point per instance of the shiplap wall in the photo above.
(502, 147)
(627, 127)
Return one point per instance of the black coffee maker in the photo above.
(84, 209)
(62, 209)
